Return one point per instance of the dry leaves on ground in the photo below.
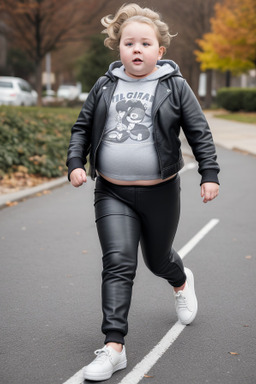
(20, 181)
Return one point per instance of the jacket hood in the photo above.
(174, 68)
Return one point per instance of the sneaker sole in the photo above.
(105, 375)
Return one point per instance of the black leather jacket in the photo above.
(175, 106)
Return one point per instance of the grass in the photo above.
(243, 117)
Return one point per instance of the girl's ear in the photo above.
(161, 52)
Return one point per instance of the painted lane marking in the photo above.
(138, 372)
(76, 379)
(198, 237)
(153, 356)
(188, 167)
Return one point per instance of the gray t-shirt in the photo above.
(127, 151)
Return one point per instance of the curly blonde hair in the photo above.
(133, 12)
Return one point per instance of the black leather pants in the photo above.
(125, 217)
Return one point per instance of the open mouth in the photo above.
(137, 60)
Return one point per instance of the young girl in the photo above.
(130, 126)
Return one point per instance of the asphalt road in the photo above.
(50, 312)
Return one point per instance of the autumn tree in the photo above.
(40, 26)
(231, 44)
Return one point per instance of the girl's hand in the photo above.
(78, 177)
(209, 191)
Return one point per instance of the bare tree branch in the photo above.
(38, 27)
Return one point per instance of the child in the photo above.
(130, 125)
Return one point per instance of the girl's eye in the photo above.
(146, 44)
(128, 44)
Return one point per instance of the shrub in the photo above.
(36, 139)
(249, 100)
(237, 99)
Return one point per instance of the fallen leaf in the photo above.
(84, 251)
(148, 377)
(21, 180)
(248, 257)
(11, 203)
(233, 353)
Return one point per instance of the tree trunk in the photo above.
(39, 81)
(208, 96)
(193, 77)
(228, 78)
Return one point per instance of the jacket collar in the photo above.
(174, 72)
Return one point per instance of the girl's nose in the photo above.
(136, 48)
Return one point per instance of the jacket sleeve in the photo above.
(198, 135)
(80, 141)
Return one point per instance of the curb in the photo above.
(20, 195)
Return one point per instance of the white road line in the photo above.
(76, 379)
(199, 236)
(154, 355)
(187, 167)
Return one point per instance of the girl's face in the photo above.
(139, 49)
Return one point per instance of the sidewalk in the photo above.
(233, 135)
(228, 134)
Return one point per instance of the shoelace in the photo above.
(181, 300)
(101, 354)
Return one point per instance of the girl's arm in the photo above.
(81, 132)
(198, 134)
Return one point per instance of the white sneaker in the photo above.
(105, 364)
(185, 301)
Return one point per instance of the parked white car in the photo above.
(16, 91)
(68, 92)
(83, 96)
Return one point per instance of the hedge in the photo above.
(36, 139)
(237, 99)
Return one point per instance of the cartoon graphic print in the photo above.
(130, 113)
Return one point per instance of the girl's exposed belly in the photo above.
(136, 182)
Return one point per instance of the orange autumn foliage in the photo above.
(231, 44)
